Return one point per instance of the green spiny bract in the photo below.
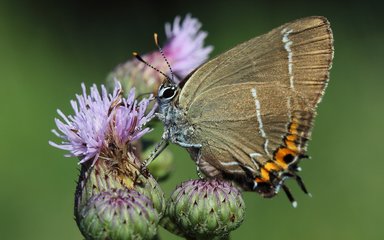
(205, 209)
(118, 214)
(116, 200)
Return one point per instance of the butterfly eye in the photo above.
(167, 92)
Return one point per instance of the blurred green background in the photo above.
(47, 48)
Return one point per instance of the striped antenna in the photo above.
(162, 54)
(138, 57)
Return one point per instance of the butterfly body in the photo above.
(247, 114)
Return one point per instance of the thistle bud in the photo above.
(118, 214)
(205, 209)
(103, 177)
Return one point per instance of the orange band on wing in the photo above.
(291, 145)
(266, 170)
(287, 152)
(291, 138)
(270, 166)
(293, 127)
(283, 156)
(264, 175)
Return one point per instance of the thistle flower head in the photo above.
(101, 120)
(205, 208)
(118, 214)
(128, 119)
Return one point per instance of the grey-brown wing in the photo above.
(297, 55)
(260, 97)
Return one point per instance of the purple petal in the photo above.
(185, 48)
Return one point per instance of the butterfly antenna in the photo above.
(162, 54)
(138, 57)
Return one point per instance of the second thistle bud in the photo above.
(206, 209)
(119, 214)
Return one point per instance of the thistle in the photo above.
(204, 209)
(118, 214)
(101, 134)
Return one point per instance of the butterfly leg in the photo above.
(198, 171)
(158, 149)
(197, 147)
(187, 145)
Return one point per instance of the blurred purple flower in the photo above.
(100, 118)
(184, 49)
(185, 46)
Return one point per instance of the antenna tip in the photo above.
(156, 38)
(137, 56)
(294, 204)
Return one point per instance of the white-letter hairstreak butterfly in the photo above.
(247, 114)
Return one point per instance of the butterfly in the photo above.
(247, 115)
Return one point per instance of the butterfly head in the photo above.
(167, 93)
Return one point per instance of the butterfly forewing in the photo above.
(302, 49)
(256, 102)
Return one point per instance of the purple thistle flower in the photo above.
(98, 118)
(185, 46)
(184, 50)
(129, 119)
